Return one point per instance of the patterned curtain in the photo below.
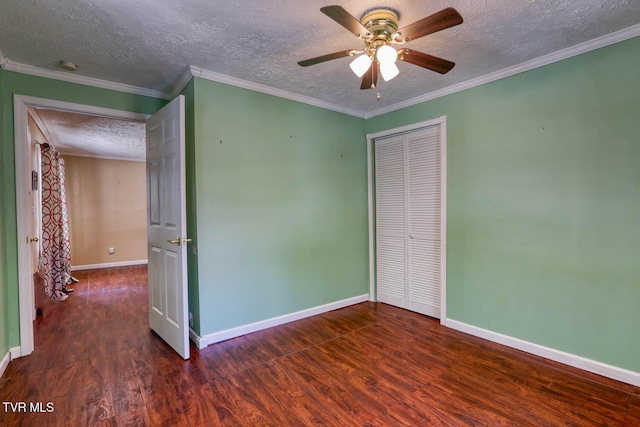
(56, 250)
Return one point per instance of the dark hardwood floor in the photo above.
(370, 364)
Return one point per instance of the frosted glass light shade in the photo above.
(360, 65)
(386, 55)
(389, 71)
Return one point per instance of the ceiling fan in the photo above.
(379, 30)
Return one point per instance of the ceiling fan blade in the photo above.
(376, 73)
(424, 60)
(370, 78)
(324, 58)
(344, 18)
(367, 79)
(446, 18)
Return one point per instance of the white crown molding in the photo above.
(610, 371)
(181, 83)
(17, 67)
(203, 341)
(245, 84)
(3, 59)
(560, 55)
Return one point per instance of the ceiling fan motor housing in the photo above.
(381, 22)
(382, 25)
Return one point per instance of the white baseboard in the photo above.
(11, 354)
(15, 352)
(202, 342)
(108, 265)
(580, 362)
(5, 362)
(195, 338)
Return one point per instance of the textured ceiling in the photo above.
(151, 43)
(92, 136)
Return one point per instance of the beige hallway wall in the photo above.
(107, 208)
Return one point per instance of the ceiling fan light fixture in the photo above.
(360, 65)
(386, 55)
(379, 30)
(389, 71)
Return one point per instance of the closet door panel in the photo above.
(424, 277)
(391, 221)
(391, 270)
(424, 221)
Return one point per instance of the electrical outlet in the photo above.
(190, 319)
(112, 251)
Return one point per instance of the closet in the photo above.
(409, 218)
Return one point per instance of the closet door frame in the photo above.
(442, 122)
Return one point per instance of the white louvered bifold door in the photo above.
(424, 224)
(391, 221)
(408, 220)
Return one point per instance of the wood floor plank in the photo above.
(133, 419)
(305, 394)
(369, 364)
(358, 397)
(236, 410)
(260, 388)
(632, 416)
(388, 380)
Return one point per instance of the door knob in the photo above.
(177, 241)
(33, 239)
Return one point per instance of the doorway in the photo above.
(24, 202)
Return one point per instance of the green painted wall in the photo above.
(4, 309)
(544, 203)
(282, 206)
(13, 83)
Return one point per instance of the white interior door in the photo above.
(409, 221)
(35, 220)
(166, 226)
